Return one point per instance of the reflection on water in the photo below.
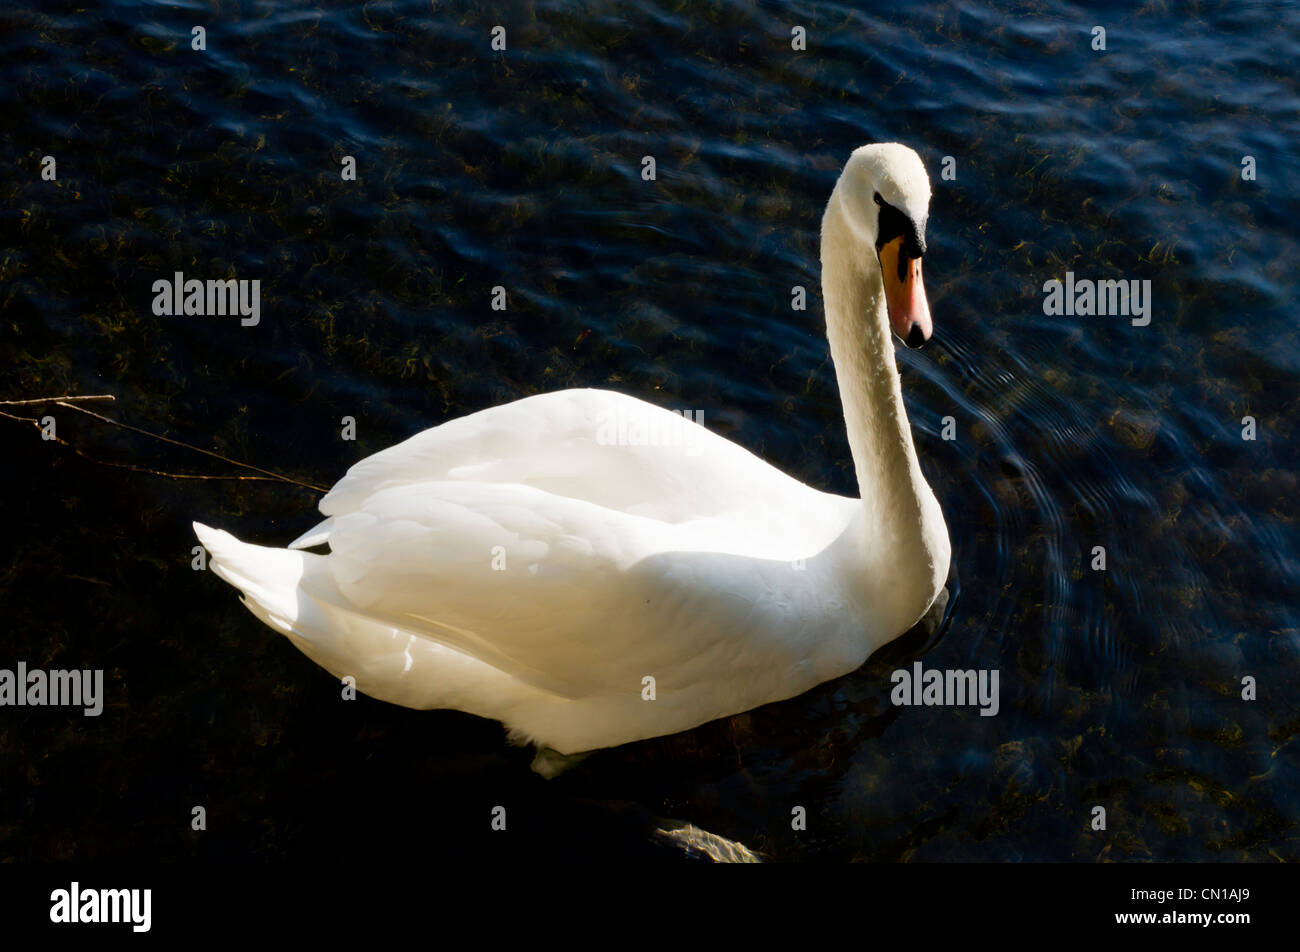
(1120, 687)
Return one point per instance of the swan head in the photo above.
(885, 199)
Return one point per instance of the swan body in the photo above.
(539, 564)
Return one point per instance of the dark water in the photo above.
(1120, 688)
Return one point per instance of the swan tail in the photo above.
(267, 577)
(293, 592)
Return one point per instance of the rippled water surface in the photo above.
(1120, 688)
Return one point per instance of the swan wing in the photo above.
(568, 596)
(595, 445)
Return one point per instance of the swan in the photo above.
(542, 565)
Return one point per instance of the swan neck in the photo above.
(902, 527)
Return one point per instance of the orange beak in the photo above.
(909, 312)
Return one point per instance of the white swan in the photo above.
(516, 565)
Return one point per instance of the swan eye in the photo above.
(894, 224)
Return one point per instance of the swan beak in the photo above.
(909, 312)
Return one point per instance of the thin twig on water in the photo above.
(67, 400)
